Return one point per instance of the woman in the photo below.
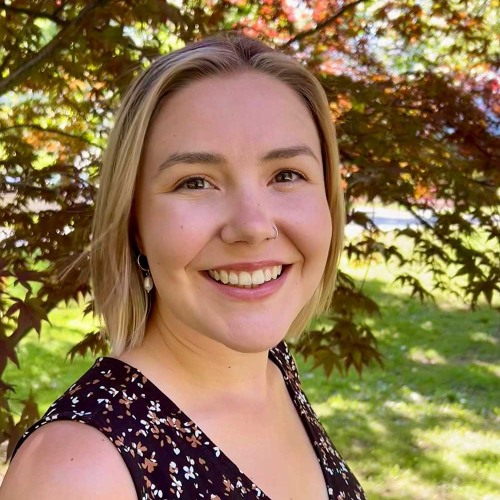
(217, 232)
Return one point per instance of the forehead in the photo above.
(243, 113)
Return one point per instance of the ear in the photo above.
(135, 237)
(138, 242)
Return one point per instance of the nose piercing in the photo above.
(276, 232)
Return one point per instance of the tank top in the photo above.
(167, 454)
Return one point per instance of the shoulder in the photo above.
(67, 460)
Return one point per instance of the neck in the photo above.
(202, 364)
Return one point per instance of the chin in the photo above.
(254, 341)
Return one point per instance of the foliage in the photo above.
(413, 88)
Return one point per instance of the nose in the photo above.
(250, 220)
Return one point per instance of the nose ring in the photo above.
(276, 232)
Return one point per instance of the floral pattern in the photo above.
(167, 454)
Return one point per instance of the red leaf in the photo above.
(29, 416)
(31, 315)
(6, 350)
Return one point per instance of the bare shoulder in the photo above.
(67, 460)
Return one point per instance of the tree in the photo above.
(413, 87)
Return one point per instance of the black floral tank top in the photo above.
(167, 454)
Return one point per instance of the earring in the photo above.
(148, 279)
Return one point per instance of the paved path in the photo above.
(386, 219)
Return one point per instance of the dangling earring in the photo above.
(148, 279)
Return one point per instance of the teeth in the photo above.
(246, 279)
(258, 277)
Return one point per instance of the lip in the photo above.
(251, 294)
(248, 266)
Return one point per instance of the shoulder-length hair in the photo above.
(117, 281)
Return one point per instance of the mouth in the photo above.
(247, 279)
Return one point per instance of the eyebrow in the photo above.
(290, 152)
(207, 158)
(192, 158)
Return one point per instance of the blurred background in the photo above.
(404, 371)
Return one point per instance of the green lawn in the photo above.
(427, 426)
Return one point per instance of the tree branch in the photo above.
(49, 130)
(33, 13)
(324, 23)
(51, 48)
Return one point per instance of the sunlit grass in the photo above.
(426, 426)
(44, 367)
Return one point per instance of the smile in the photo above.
(246, 279)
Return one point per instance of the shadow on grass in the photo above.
(399, 448)
(452, 353)
(441, 382)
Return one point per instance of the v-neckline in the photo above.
(292, 392)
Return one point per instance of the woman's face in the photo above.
(227, 158)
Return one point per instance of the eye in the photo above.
(194, 183)
(288, 176)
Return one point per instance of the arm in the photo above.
(64, 460)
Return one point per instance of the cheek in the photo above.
(172, 234)
(320, 235)
(312, 226)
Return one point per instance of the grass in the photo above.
(427, 426)
(44, 367)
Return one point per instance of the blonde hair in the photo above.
(119, 296)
